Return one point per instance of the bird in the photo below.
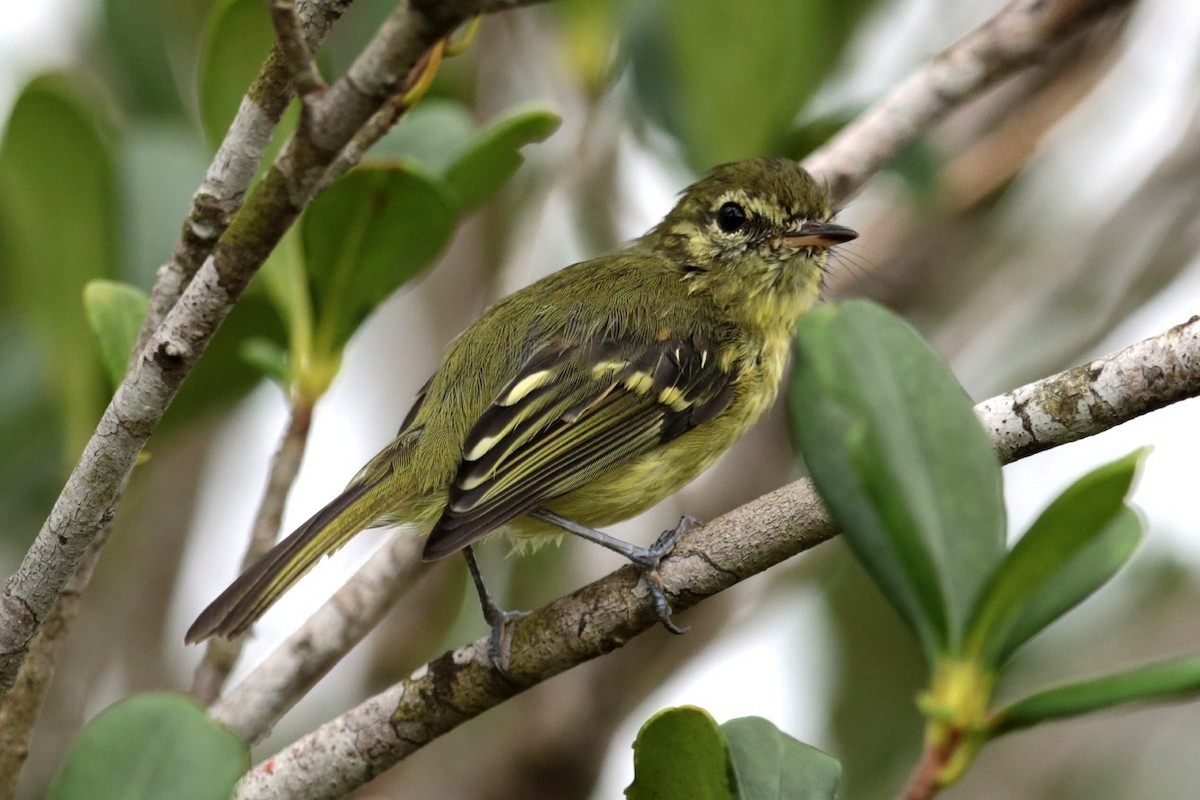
(588, 396)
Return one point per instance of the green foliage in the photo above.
(770, 765)
(59, 230)
(730, 78)
(683, 753)
(371, 232)
(237, 38)
(1173, 679)
(115, 312)
(680, 752)
(905, 469)
(1027, 592)
(379, 227)
(151, 746)
(492, 158)
(901, 462)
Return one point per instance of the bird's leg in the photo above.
(646, 558)
(500, 621)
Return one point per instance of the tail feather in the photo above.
(249, 597)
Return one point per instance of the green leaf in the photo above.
(115, 312)
(495, 155)
(372, 231)
(160, 163)
(434, 133)
(58, 230)
(152, 745)
(1076, 544)
(269, 358)
(770, 765)
(680, 752)
(1176, 678)
(904, 466)
(740, 73)
(287, 285)
(238, 35)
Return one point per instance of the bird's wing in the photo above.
(572, 413)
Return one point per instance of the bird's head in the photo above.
(750, 226)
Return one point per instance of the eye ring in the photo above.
(731, 217)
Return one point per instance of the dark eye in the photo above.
(731, 217)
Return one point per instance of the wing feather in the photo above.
(571, 414)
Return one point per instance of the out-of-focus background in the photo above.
(1053, 220)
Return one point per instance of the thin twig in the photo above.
(1017, 36)
(923, 782)
(89, 499)
(253, 707)
(297, 57)
(22, 706)
(228, 177)
(462, 684)
(221, 655)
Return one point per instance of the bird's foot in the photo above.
(649, 559)
(500, 639)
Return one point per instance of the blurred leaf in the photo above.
(808, 136)
(1177, 678)
(152, 746)
(770, 765)
(58, 230)
(160, 164)
(1059, 540)
(440, 135)
(136, 36)
(115, 312)
(269, 358)
(904, 466)
(238, 35)
(875, 668)
(588, 32)
(372, 231)
(286, 282)
(30, 460)
(680, 752)
(741, 72)
(920, 167)
(434, 133)
(495, 155)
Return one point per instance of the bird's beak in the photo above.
(818, 234)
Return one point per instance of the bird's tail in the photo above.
(248, 597)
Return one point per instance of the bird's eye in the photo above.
(731, 217)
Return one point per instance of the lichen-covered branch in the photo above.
(460, 685)
(1020, 34)
(228, 177)
(88, 501)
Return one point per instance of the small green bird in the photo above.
(590, 395)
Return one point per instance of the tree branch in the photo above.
(88, 501)
(233, 167)
(1019, 35)
(221, 655)
(294, 50)
(598, 618)
(253, 707)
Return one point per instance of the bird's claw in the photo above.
(500, 639)
(649, 563)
